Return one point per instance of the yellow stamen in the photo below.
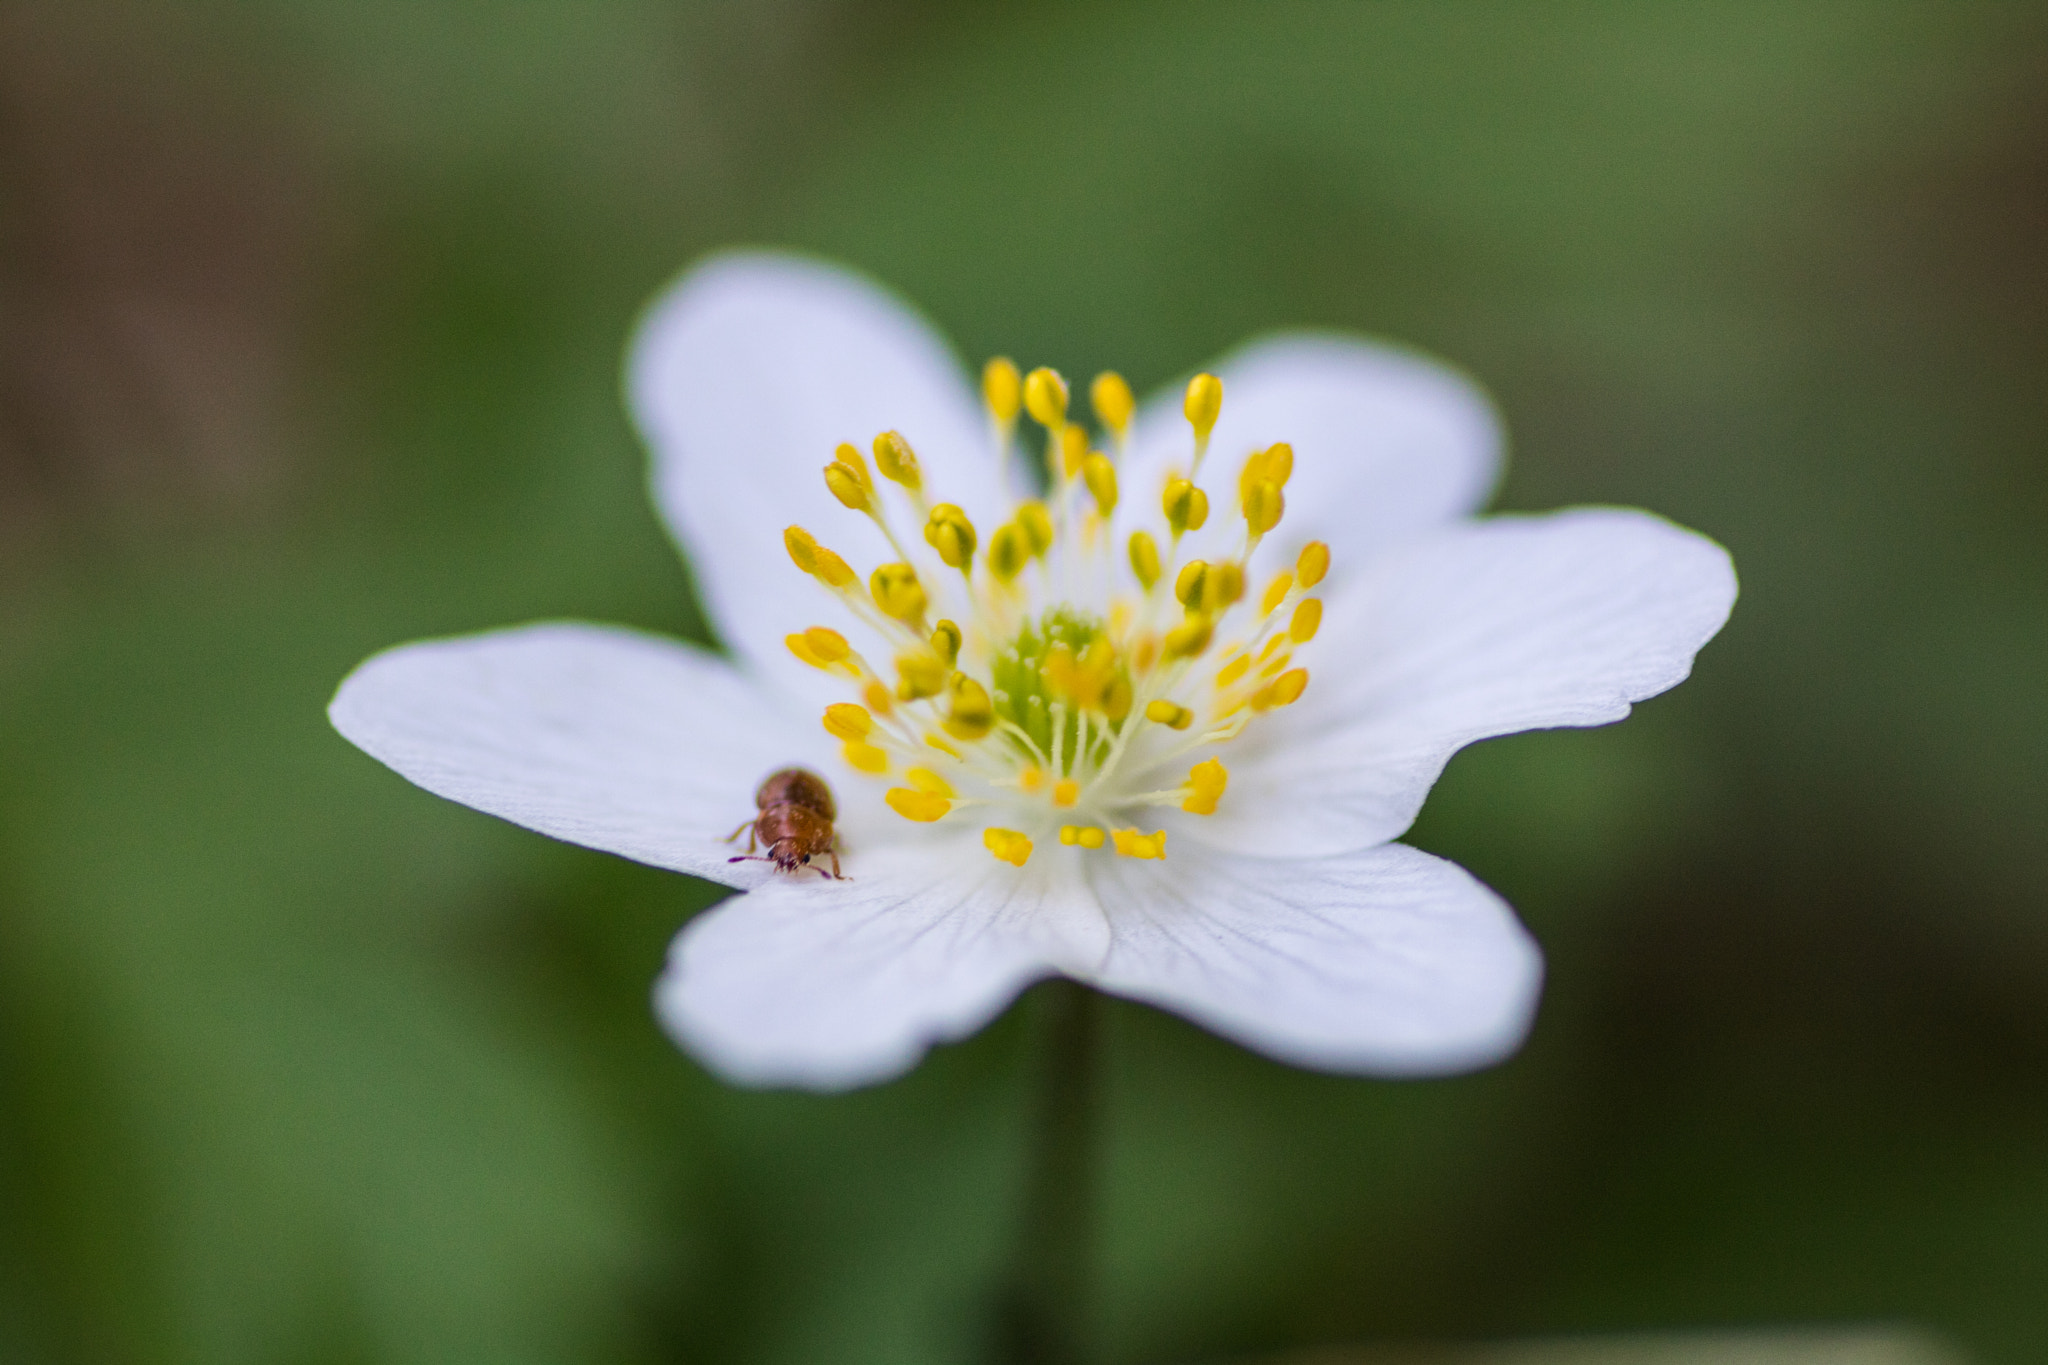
(1007, 845)
(1145, 558)
(1002, 388)
(946, 641)
(920, 673)
(923, 807)
(1168, 714)
(1313, 564)
(1206, 781)
(1264, 504)
(1066, 792)
(1131, 844)
(848, 485)
(1031, 779)
(950, 533)
(1111, 398)
(1073, 445)
(1185, 505)
(1189, 638)
(844, 720)
(925, 780)
(828, 645)
(1008, 552)
(1036, 524)
(863, 757)
(1267, 650)
(898, 593)
(801, 647)
(1045, 397)
(1100, 476)
(896, 460)
(1086, 836)
(833, 571)
(1204, 402)
(1276, 592)
(971, 715)
(802, 547)
(1308, 618)
(1233, 670)
(1222, 586)
(1282, 691)
(877, 698)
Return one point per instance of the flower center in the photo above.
(1056, 679)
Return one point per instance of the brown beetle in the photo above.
(795, 823)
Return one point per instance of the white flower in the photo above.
(1131, 785)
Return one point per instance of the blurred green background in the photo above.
(310, 324)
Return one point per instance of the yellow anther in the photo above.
(848, 454)
(1008, 552)
(1065, 792)
(923, 807)
(1073, 445)
(801, 647)
(1036, 524)
(1206, 781)
(1279, 661)
(1222, 586)
(850, 488)
(1045, 397)
(1002, 388)
(802, 547)
(897, 592)
(919, 674)
(1271, 646)
(950, 533)
(969, 714)
(925, 780)
(1116, 698)
(1276, 593)
(1313, 564)
(1145, 558)
(1275, 464)
(1308, 619)
(1282, 691)
(878, 699)
(1131, 844)
(1264, 504)
(1111, 398)
(1007, 845)
(844, 720)
(1166, 713)
(933, 739)
(833, 571)
(1203, 403)
(946, 641)
(896, 460)
(1144, 651)
(1233, 670)
(1086, 836)
(1188, 587)
(827, 644)
(1070, 835)
(1100, 476)
(1189, 638)
(1185, 505)
(1031, 779)
(864, 757)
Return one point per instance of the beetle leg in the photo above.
(741, 830)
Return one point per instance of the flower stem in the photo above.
(1045, 1312)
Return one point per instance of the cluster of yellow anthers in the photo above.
(1057, 685)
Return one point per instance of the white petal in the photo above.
(1386, 444)
(744, 377)
(828, 985)
(1492, 627)
(1384, 962)
(639, 746)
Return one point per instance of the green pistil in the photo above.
(1020, 692)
